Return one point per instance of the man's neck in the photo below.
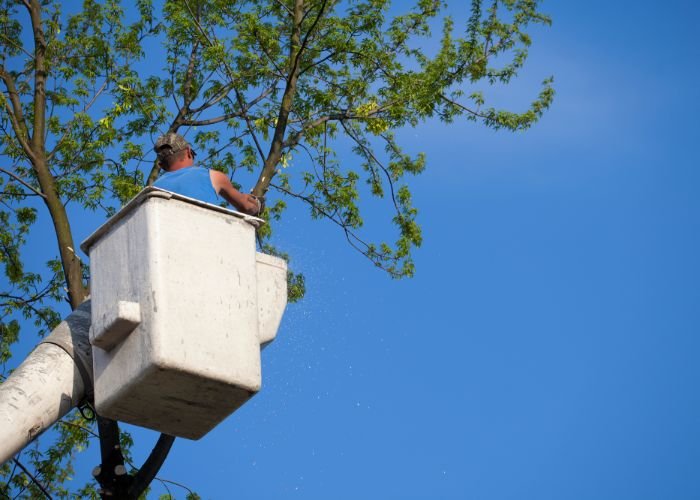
(179, 166)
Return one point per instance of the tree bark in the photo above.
(276, 148)
(70, 262)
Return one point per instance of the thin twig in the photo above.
(23, 182)
(70, 126)
(31, 476)
(369, 155)
(16, 45)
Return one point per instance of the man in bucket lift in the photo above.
(176, 158)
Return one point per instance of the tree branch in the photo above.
(350, 235)
(210, 121)
(40, 74)
(249, 126)
(281, 4)
(296, 47)
(31, 476)
(236, 114)
(37, 312)
(187, 86)
(370, 156)
(113, 484)
(16, 45)
(50, 156)
(304, 42)
(175, 484)
(278, 70)
(340, 116)
(220, 95)
(36, 297)
(23, 182)
(15, 113)
(151, 466)
(462, 107)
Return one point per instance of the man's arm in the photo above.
(246, 203)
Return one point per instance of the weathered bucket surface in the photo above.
(272, 295)
(181, 304)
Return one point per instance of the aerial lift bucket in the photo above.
(181, 306)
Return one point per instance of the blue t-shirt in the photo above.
(193, 182)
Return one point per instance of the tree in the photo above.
(267, 91)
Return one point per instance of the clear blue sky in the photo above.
(547, 347)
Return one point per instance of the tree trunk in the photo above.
(277, 146)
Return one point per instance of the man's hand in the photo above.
(251, 204)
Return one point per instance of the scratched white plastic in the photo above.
(207, 302)
(272, 295)
(114, 324)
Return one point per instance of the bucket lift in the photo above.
(181, 306)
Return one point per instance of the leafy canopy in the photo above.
(300, 99)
